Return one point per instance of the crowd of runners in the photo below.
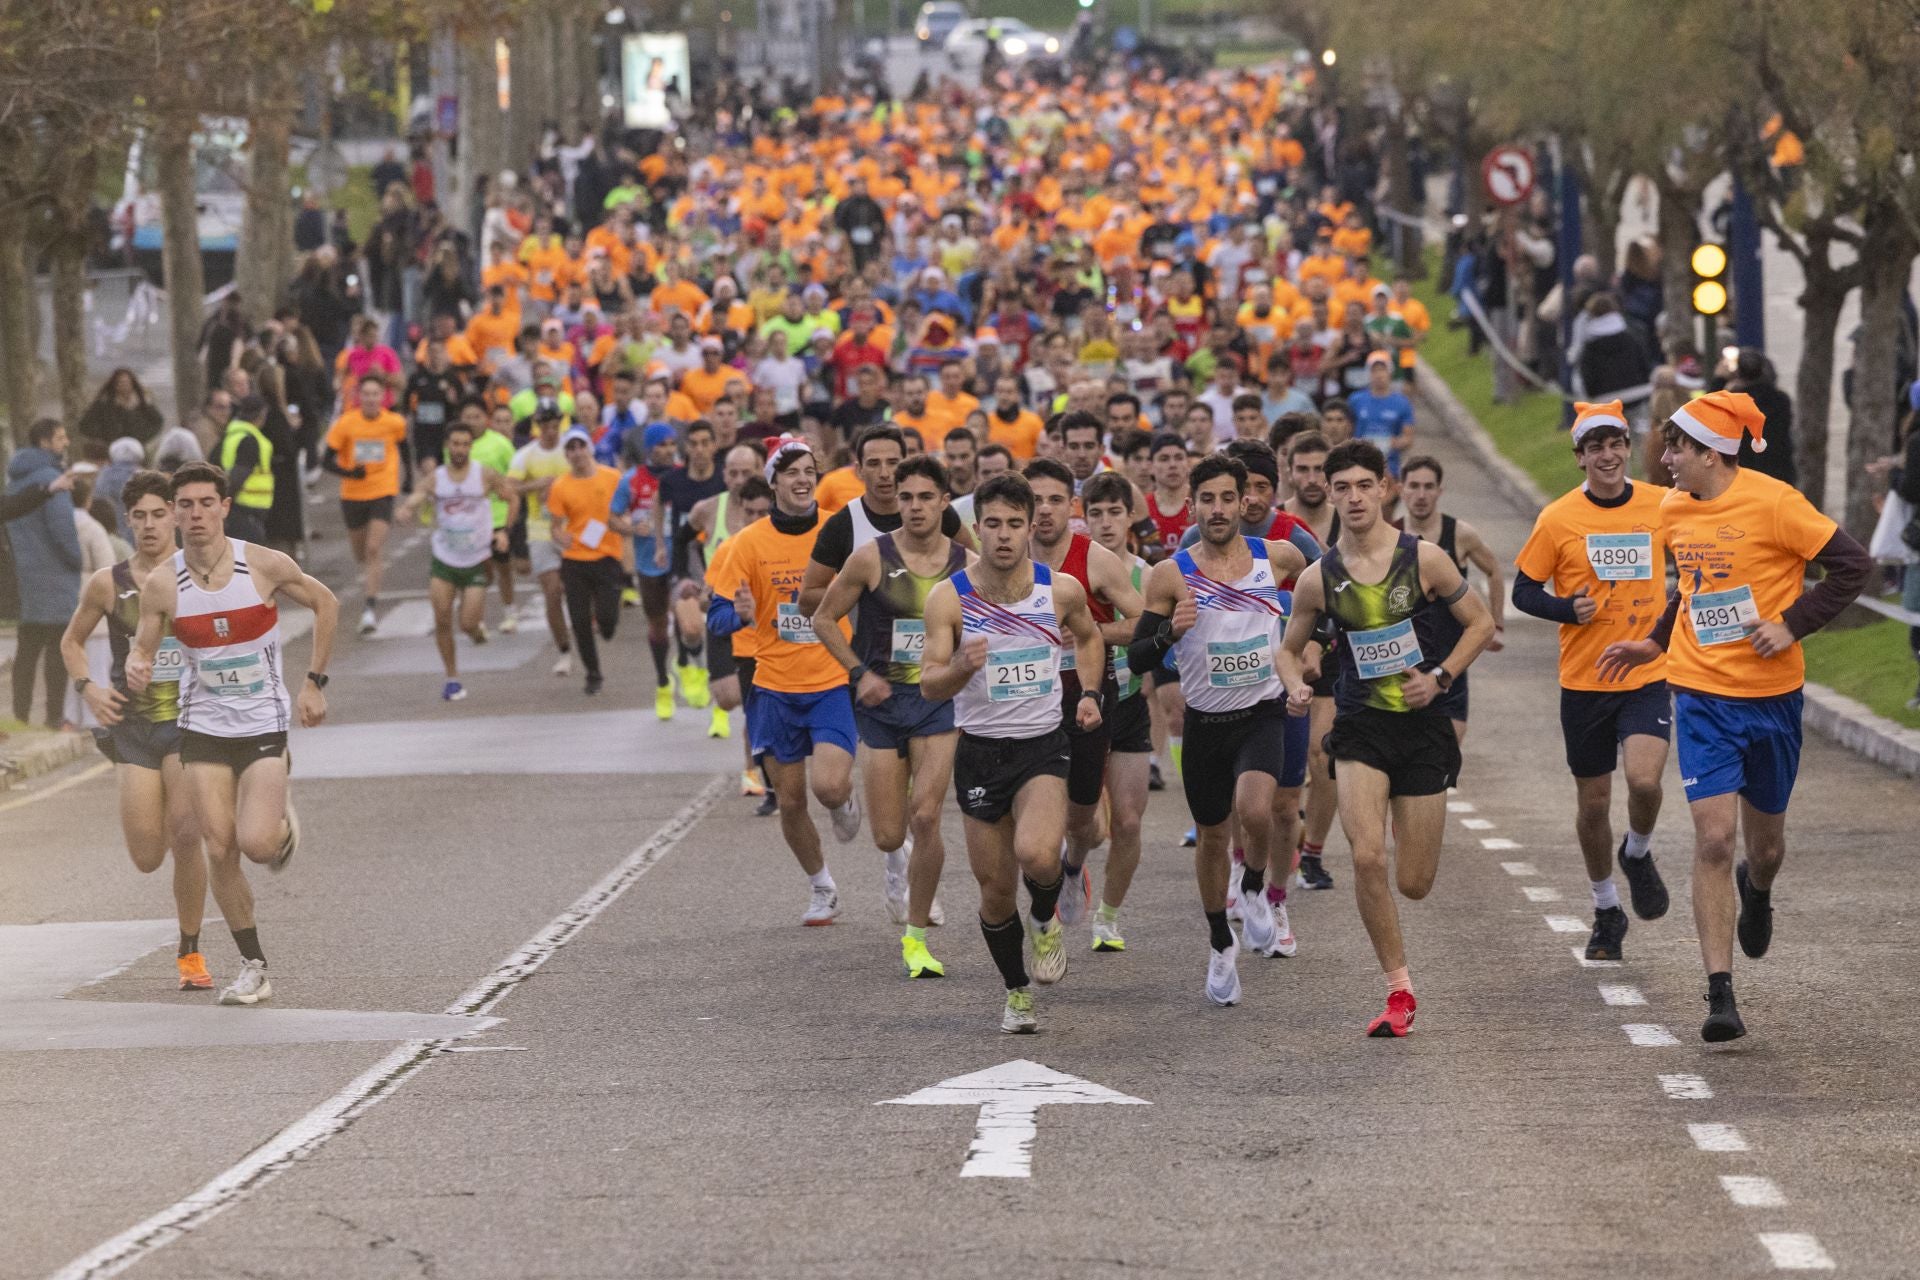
(1044, 449)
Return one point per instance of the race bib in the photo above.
(430, 413)
(794, 626)
(1621, 557)
(861, 235)
(593, 535)
(369, 453)
(1068, 660)
(238, 677)
(169, 662)
(466, 542)
(909, 641)
(1386, 651)
(1234, 663)
(1722, 617)
(1014, 675)
(1122, 673)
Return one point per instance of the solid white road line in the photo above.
(1716, 1137)
(1649, 1035)
(1541, 893)
(1750, 1192)
(1520, 868)
(54, 789)
(380, 1082)
(1795, 1251)
(1500, 842)
(1686, 1087)
(1565, 924)
(1613, 994)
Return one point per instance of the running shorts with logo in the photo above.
(989, 772)
(788, 726)
(1594, 724)
(1008, 711)
(1748, 746)
(235, 753)
(903, 716)
(1222, 745)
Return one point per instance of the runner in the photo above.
(141, 734)
(877, 453)
(464, 537)
(993, 647)
(363, 449)
(708, 525)
(799, 711)
(535, 467)
(682, 489)
(220, 598)
(580, 519)
(1391, 745)
(730, 659)
(1736, 667)
(1600, 547)
(1421, 480)
(1311, 506)
(1168, 501)
(639, 513)
(493, 449)
(910, 741)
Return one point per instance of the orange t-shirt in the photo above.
(788, 659)
(944, 414)
(1573, 542)
(684, 294)
(1021, 436)
(492, 334)
(839, 487)
(373, 443)
(705, 389)
(1742, 558)
(586, 504)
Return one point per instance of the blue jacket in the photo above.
(46, 546)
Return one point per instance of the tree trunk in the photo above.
(1402, 198)
(17, 356)
(1820, 303)
(1886, 258)
(264, 263)
(1679, 230)
(180, 257)
(481, 133)
(67, 257)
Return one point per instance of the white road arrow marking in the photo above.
(1009, 1097)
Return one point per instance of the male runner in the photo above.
(219, 595)
(799, 711)
(682, 488)
(580, 515)
(363, 449)
(1421, 480)
(708, 523)
(1392, 746)
(1113, 601)
(1311, 506)
(992, 460)
(1600, 546)
(493, 449)
(993, 646)
(877, 452)
(1742, 541)
(909, 740)
(141, 736)
(639, 512)
(535, 467)
(730, 659)
(1167, 502)
(1217, 606)
(464, 539)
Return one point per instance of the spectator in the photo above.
(1612, 361)
(121, 409)
(124, 457)
(46, 562)
(1750, 371)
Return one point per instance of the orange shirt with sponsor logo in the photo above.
(1748, 551)
(586, 504)
(373, 443)
(1574, 543)
(772, 564)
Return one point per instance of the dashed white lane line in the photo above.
(1612, 993)
(1565, 924)
(1686, 1087)
(1476, 824)
(1520, 868)
(1650, 1035)
(1459, 806)
(1500, 842)
(1541, 893)
(1717, 1137)
(1750, 1192)
(1585, 963)
(1795, 1251)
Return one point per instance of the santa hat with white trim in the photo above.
(1720, 418)
(1591, 417)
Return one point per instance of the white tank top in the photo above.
(1017, 693)
(1226, 660)
(863, 530)
(233, 686)
(462, 519)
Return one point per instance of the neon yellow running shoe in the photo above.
(919, 961)
(720, 724)
(1049, 942)
(693, 685)
(1106, 936)
(663, 702)
(1017, 1019)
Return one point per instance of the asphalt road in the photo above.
(683, 1082)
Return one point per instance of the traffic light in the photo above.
(1709, 263)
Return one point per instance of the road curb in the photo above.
(1839, 717)
(41, 754)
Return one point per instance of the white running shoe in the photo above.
(1049, 950)
(936, 914)
(822, 906)
(1235, 869)
(1285, 943)
(250, 986)
(1017, 1019)
(1076, 896)
(564, 667)
(846, 819)
(509, 624)
(1223, 975)
(1257, 930)
(290, 843)
(897, 897)
(368, 623)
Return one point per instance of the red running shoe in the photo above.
(1398, 1019)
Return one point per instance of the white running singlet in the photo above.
(1017, 694)
(462, 518)
(1226, 660)
(232, 686)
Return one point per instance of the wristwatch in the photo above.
(80, 685)
(319, 679)
(858, 672)
(1443, 678)
(1090, 693)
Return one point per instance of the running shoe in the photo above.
(822, 905)
(1397, 1021)
(663, 702)
(1312, 873)
(368, 623)
(1106, 936)
(846, 819)
(1190, 839)
(250, 987)
(193, 972)
(897, 897)
(1154, 781)
(288, 842)
(693, 686)
(1049, 950)
(454, 691)
(1076, 896)
(1235, 869)
(564, 666)
(936, 914)
(767, 807)
(1644, 885)
(1017, 1018)
(510, 623)
(479, 634)
(719, 724)
(1223, 976)
(1723, 1017)
(750, 784)
(1285, 944)
(919, 961)
(595, 684)
(1609, 930)
(1257, 931)
(630, 598)
(1756, 914)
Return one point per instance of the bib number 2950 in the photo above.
(1385, 651)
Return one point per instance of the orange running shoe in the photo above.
(193, 972)
(1398, 1019)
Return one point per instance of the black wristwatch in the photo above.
(319, 679)
(857, 672)
(80, 685)
(1090, 693)
(1443, 678)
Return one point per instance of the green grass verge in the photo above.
(1870, 664)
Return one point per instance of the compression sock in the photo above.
(1398, 980)
(1253, 880)
(660, 651)
(248, 940)
(1605, 894)
(1219, 934)
(1004, 942)
(1638, 846)
(1045, 897)
(189, 943)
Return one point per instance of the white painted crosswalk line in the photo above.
(1499, 842)
(1613, 994)
(1520, 868)
(1649, 1035)
(1750, 1192)
(1685, 1087)
(1541, 893)
(1795, 1251)
(1476, 824)
(1459, 806)
(1585, 963)
(1717, 1137)
(1566, 924)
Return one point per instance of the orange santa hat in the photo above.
(1591, 417)
(1720, 418)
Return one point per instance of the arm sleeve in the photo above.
(1147, 650)
(1847, 566)
(835, 541)
(1303, 541)
(722, 620)
(1530, 595)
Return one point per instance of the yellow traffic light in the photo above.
(1709, 260)
(1709, 297)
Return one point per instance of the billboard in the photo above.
(654, 72)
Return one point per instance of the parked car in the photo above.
(967, 44)
(937, 20)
